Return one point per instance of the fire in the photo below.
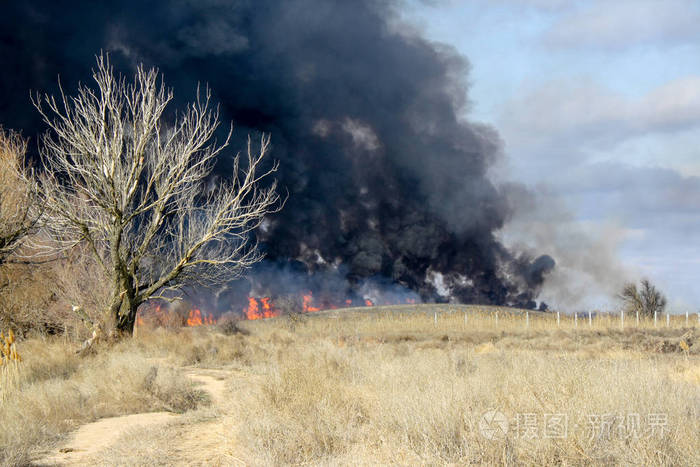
(157, 314)
(253, 311)
(195, 318)
(306, 304)
(258, 308)
(262, 309)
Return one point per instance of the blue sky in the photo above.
(598, 106)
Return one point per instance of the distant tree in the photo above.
(646, 299)
(19, 201)
(134, 190)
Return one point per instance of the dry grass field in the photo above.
(388, 385)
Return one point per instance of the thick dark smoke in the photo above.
(387, 183)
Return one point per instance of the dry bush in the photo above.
(229, 325)
(40, 298)
(26, 298)
(80, 283)
(647, 300)
(19, 203)
(58, 391)
(21, 299)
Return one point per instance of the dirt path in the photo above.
(91, 439)
(212, 381)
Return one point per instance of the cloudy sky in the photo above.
(598, 106)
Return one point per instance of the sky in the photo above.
(597, 104)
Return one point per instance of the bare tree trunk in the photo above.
(126, 318)
(124, 306)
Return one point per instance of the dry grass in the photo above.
(58, 391)
(398, 389)
(10, 361)
(378, 387)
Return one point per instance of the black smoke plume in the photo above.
(387, 182)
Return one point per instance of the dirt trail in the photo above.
(212, 381)
(90, 439)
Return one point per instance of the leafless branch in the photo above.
(20, 206)
(133, 189)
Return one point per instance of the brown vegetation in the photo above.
(647, 300)
(388, 386)
(19, 210)
(57, 391)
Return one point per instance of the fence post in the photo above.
(558, 322)
(637, 318)
(655, 318)
(436, 318)
(575, 319)
(590, 319)
(686, 319)
(527, 319)
(465, 318)
(668, 320)
(622, 319)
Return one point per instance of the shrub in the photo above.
(646, 300)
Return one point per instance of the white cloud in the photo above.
(624, 23)
(588, 114)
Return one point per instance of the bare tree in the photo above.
(646, 299)
(19, 203)
(134, 190)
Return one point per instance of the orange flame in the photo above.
(195, 318)
(254, 310)
(264, 307)
(306, 304)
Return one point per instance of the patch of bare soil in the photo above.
(90, 439)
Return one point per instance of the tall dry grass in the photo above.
(58, 391)
(397, 388)
(379, 387)
(10, 361)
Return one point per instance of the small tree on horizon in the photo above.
(133, 190)
(646, 299)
